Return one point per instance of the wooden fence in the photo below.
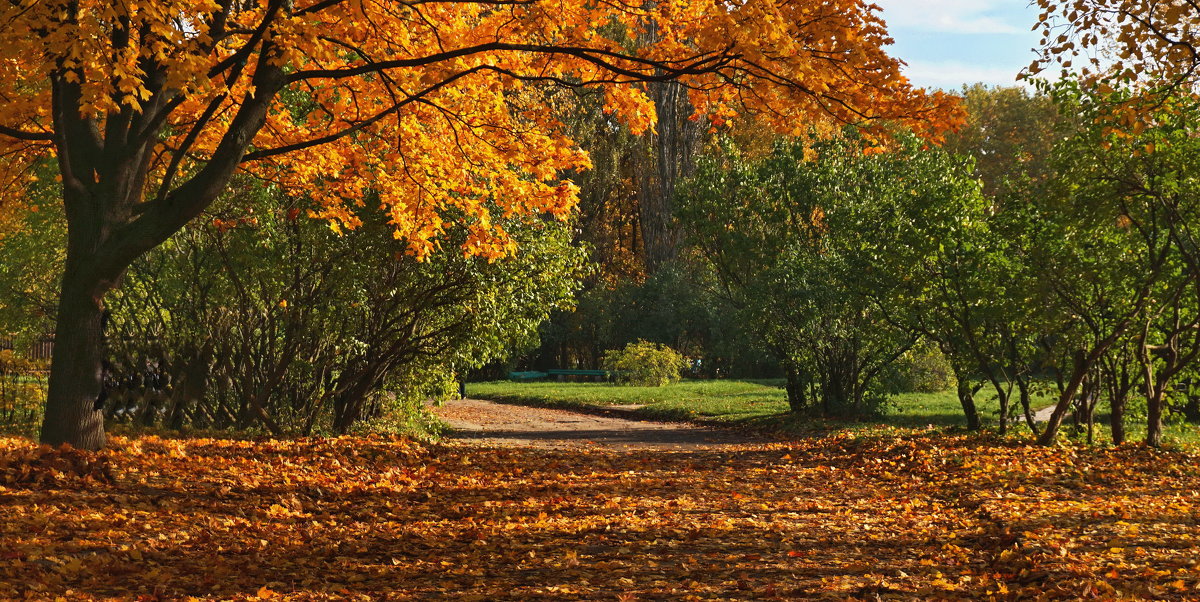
(41, 349)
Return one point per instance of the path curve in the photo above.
(507, 424)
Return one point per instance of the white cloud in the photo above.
(954, 16)
(951, 75)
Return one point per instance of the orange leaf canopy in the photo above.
(436, 107)
(1154, 41)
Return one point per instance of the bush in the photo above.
(261, 320)
(22, 393)
(645, 364)
(922, 369)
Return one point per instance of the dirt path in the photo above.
(506, 424)
(1043, 415)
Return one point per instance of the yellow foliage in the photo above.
(430, 105)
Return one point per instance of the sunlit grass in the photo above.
(763, 404)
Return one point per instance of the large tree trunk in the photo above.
(670, 159)
(75, 369)
(104, 172)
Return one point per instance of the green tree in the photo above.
(1144, 172)
(269, 320)
(792, 238)
(31, 256)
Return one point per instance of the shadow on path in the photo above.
(506, 424)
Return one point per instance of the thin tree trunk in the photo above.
(1004, 411)
(797, 400)
(1066, 397)
(1026, 406)
(1154, 417)
(1116, 419)
(966, 398)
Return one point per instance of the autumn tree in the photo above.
(1009, 132)
(1153, 40)
(150, 109)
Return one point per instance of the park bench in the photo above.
(599, 375)
(524, 376)
(559, 374)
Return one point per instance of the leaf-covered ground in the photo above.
(913, 516)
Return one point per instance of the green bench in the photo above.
(601, 373)
(524, 376)
(559, 374)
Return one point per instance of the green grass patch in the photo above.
(716, 400)
(752, 403)
(762, 404)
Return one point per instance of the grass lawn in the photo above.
(732, 401)
(763, 404)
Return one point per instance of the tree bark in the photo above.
(1082, 365)
(797, 401)
(1023, 389)
(670, 158)
(966, 398)
(1154, 418)
(1003, 396)
(75, 368)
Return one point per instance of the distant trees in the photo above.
(794, 240)
(1069, 267)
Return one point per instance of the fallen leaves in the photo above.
(376, 518)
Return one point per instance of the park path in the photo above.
(513, 425)
(1043, 415)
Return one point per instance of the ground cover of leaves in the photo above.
(842, 517)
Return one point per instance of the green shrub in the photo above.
(22, 393)
(645, 364)
(922, 369)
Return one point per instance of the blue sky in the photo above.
(948, 43)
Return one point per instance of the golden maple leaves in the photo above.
(1146, 40)
(437, 112)
(843, 516)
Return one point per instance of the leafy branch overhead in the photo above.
(1127, 39)
(425, 102)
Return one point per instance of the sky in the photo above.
(948, 43)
